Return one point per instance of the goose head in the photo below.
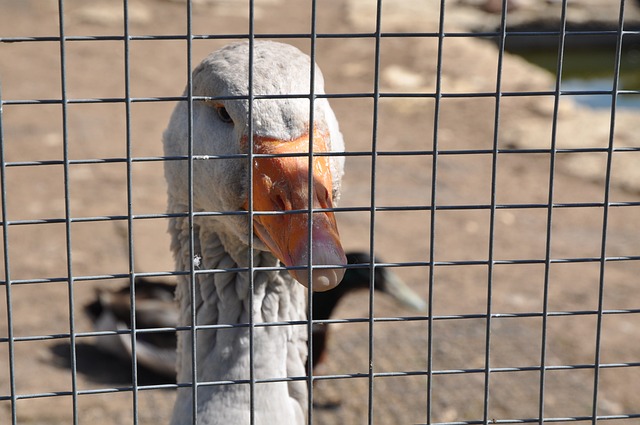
(279, 125)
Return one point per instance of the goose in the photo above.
(219, 238)
(154, 309)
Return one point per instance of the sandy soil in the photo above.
(40, 311)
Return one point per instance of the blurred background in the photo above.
(409, 117)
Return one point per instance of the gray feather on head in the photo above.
(278, 69)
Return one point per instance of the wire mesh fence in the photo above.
(505, 195)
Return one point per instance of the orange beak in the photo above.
(282, 184)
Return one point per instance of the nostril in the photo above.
(279, 202)
(323, 196)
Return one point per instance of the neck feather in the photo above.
(224, 354)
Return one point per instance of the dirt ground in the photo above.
(40, 310)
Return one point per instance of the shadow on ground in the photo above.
(104, 368)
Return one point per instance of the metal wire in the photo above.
(310, 218)
(605, 215)
(492, 210)
(250, 206)
(432, 215)
(67, 213)
(552, 172)
(192, 276)
(433, 207)
(7, 270)
(130, 245)
(372, 200)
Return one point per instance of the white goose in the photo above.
(220, 127)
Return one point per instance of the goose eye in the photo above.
(223, 114)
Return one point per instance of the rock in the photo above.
(401, 79)
(112, 14)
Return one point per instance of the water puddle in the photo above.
(590, 69)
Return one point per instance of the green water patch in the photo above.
(588, 66)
